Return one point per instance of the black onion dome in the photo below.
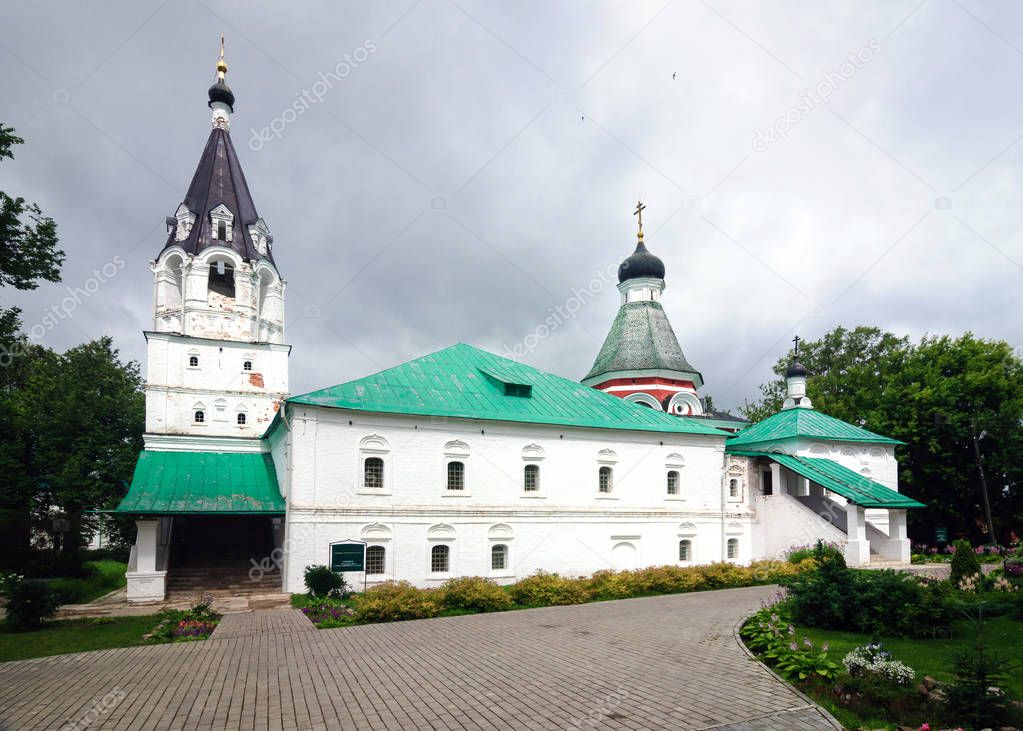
(221, 92)
(641, 264)
(796, 369)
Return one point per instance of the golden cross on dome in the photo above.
(639, 213)
(221, 64)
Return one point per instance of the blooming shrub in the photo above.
(874, 660)
(394, 601)
(614, 584)
(327, 613)
(971, 584)
(475, 594)
(666, 579)
(798, 554)
(770, 634)
(1003, 584)
(193, 629)
(964, 562)
(544, 589)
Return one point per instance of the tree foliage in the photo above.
(29, 248)
(938, 395)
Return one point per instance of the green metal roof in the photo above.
(465, 382)
(851, 485)
(797, 422)
(641, 339)
(176, 483)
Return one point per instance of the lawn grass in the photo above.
(75, 635)
(103, 578)
(935, 657)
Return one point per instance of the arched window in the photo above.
(375, 559)
(241, 418)
(440, 559)
(373, 472)
(673, 482)
(498, 557)
(247, 365)
(685, 550)
(531, 477)
(733, 548)
(604, 480)
(199, 416)
(456, 476)
(193, 361)
(733, 487)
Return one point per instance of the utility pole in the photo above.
(983, 481)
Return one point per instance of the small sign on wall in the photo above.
(348, 556)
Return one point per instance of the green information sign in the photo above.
(348, 556)
(941, 534)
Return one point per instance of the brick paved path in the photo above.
(662, 663)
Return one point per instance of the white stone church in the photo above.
(460, 462)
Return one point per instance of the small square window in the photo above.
(247, 365)
(241, 419)
(200, 417)
(193, 361)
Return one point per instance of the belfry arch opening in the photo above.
(221, 281)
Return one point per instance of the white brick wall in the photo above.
(566, 527)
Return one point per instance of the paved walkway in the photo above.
(667, 662)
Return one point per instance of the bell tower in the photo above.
(217, 361)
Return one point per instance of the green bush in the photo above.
(608, 584)
(475, 594)
(667, 580)
(770, 634)
(801, 553)
(723, 575)
(964, 562)
(544, 589)
(394, 601)
(29, 603)
(322, 582)
(820, 598)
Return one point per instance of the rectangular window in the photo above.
(673, 482)
(531, 477)
(733, 487)
(604, 481)
(768, 483)
(373, 473)
(456, 476)
(439, 556)
(375, 556)
(499, 558)
(733, 548)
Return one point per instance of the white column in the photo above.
(896, 547)
(146, 581)
(777, 478)
(857, 549)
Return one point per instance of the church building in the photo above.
(460, 462)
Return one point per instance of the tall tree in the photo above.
(85, 412)
(29, 249)
(947, 398)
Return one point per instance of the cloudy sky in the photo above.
(468, 167)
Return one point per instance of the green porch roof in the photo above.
(179, 483)
(641, 339)
(465, 382)
(792, 423)
(832, 476)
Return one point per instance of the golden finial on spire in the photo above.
(639, 213)
(221, 64)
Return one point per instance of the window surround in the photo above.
(221, 215)
(674, 462)
(500, 534)
(378, 535)
(193, 355)
(735, 481)
(199, 415)
(533, 455)
(606, 458)
(686, 532)
(440, 535)
(456, 451)
(373, 445)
